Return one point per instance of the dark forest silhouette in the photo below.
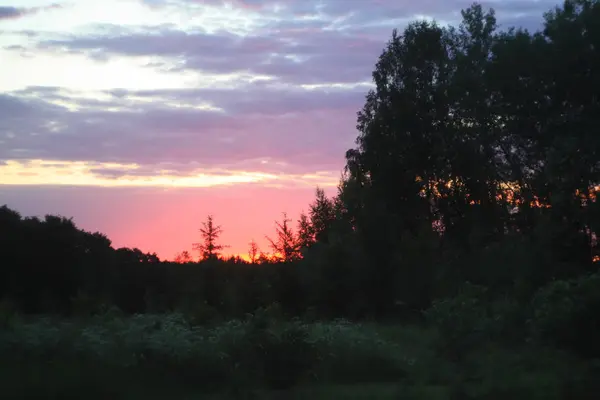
(469, 204)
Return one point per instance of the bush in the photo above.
(531, 372)
(473, 318)
(286, 356)
(565, 313)
(462, 320)
(201, 314)
(261, 350)
(269, 351)
(354, 353)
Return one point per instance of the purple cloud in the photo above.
(373, 12)
(7, 12)
(339, 45)
(312, 56)
(308, 130)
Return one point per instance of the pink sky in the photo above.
(166, 221)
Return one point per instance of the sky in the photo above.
(138, 118)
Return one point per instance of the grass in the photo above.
(163, 356)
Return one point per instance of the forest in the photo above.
(458, 259)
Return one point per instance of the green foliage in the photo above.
(201, 314)
(286, 355)
(529, 372)
(259, 350)
(354, 353)
(472, 318)
(463, 319)
(162, 355)
(84, 304)
(565, 313)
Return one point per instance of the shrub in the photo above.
(261, 350)
(472, 318)
(462, 320)
(349, 352)
(286, 356)
(565, 313)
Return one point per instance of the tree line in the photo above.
(287, 245)
(476, 166)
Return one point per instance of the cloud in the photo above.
(369, 12)
(11, 12)
(257, 127)
(304, 57)
(336, 42)
(20, 12)
(279, 98)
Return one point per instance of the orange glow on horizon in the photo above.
(507, 192)
(161, 214)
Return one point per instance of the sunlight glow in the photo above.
(77, 72)
(80, 173)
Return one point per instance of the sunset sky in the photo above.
(138, 118)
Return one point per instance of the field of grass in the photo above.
(164, 357)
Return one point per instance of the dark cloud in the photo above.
(7, 12)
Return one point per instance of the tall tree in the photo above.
(209, 248)
(183, 257)
(285, 246)
(306, 236)
(322, 216)
(253, 252)
(401, 153)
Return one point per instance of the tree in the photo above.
(263, 258)
(183, 257)
(322, 216)
(306, 236)
(285, 247)
(209, 248)
(402, 154)
(253, 252)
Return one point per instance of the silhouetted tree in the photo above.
(183, 257)
(306, 236)
(285, 247)
(322, 216)
(209, 248)
(253, 252)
